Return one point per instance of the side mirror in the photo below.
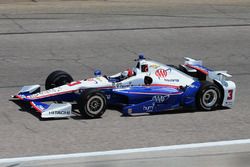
(148, 80)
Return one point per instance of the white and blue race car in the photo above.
(152, 87)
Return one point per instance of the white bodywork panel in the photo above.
(29, 89)
(229, 94)
(161, 75)
(74, 86)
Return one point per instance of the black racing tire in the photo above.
(57, 78)
(208, 96)
(92, 104)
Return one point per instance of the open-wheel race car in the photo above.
(149, 87)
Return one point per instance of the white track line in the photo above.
(125, 151)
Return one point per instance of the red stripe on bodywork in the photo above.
(35, 107)
(19, 97)
(172, 86)
(156, 93)
(74, 83)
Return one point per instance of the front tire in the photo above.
(57, 78)
(92, 104)
(208, 96)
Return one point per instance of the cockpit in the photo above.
(122, 75)
(141, 67)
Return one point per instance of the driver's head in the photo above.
(124, 74)
(128, 73)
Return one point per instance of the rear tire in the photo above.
(92, 104)
(208, 97)
(57, 78)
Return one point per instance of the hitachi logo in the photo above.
(59, 113)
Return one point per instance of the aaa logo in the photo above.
(161, 73)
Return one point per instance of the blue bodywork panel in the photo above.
(189, 95)
(149, 99)
(136, 99)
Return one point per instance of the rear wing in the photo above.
(219, 75)
(193, 66)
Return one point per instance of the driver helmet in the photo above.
(127, 73)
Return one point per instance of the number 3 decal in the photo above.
(230, 95)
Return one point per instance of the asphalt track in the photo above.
(78, 37)
(221, 154)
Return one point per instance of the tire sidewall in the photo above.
(85, 101)
(206, 87)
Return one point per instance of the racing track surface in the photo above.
(78, 37)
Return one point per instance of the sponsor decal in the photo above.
(108, 97)
(148, 108)
(154, 66)
(130, 111)
(162, 73)
(119, 85)
(160, 98)
(229, 103)
(99, 79)
(172, 80)
(23, 96)
(59, 113)
(50, 91)
(193, 86)
(144, 68)
(92, 80)
(81, 90)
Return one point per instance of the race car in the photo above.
(150, 87)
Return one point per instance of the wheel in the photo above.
(208, 96)
(92, 104)
(57, 78)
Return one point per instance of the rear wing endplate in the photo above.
(191, 61)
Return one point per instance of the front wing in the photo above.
(52, 110)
